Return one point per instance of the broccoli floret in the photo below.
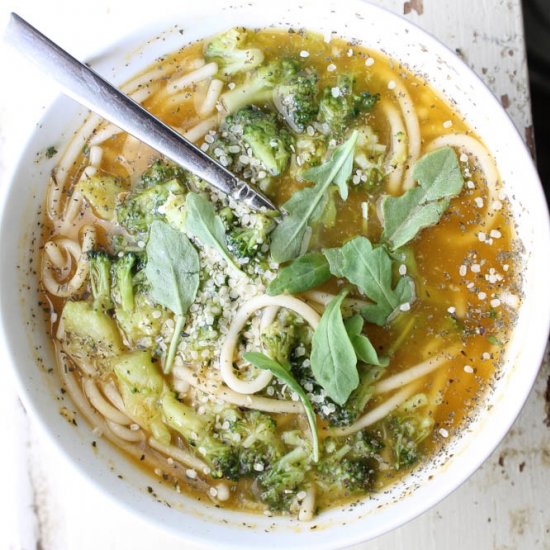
(296, 99)
(162, 171)
(347, 475)
(278, 340)
(339, 106)
(222, 458)
(364, 444)
(227, 50)
(247, 242)
(252, 143)
(310, 151)
(281, 482)
(142, 323)
(287, 339)
(139, 318)
(348, 465)
(405, 430)
(100, 279)
(261, 137)
(254, 434)
(139, 209)
(258, 87)
(369, 159)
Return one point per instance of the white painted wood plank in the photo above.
(488, 35)
(503, 506)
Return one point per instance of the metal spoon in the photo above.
(93, 91)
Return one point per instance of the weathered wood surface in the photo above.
(505, 505)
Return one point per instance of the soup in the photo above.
(281, 364)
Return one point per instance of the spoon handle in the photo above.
(93, 91)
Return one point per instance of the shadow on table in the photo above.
(536, 15)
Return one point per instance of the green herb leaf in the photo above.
(371, 270)
(341, 161)
(306, 206)
(282, 372)
(333, 359)
(173, 271)
(361, 344)
(440, 179)
(304, 273)
(204, 224)
(172, 268)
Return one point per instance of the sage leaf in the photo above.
(363, 347)
(282, 372)
(306, 272)
(173, 272)
(439, 177)
(305, 207)
(370, 269)
(206, 226)
(172, 268)
(333, 359)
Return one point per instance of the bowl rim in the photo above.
(496, 435)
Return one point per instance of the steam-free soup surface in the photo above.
(289, 365)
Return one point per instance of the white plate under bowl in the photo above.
(200, 523)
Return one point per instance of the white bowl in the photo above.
(200, 523)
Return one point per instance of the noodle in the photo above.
(147, 79)
(53, 199)
(413, 129)
(212, 96)
(73, 208)
(59, 260)
(68, 288)
(307, 506)
(107, 132)
(73, 150)
(139, 96)
(97, 400)
(412, 374)
(96, 154)
(198, 75)
(395, 161)
(186, 458)
(265, 404)
(132, 436)
(112, 393)
(198, 96)
(202, 128)
(376, 414)
(413, 138)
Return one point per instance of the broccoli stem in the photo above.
(100, 279)
(180, 321)
(125, 282)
